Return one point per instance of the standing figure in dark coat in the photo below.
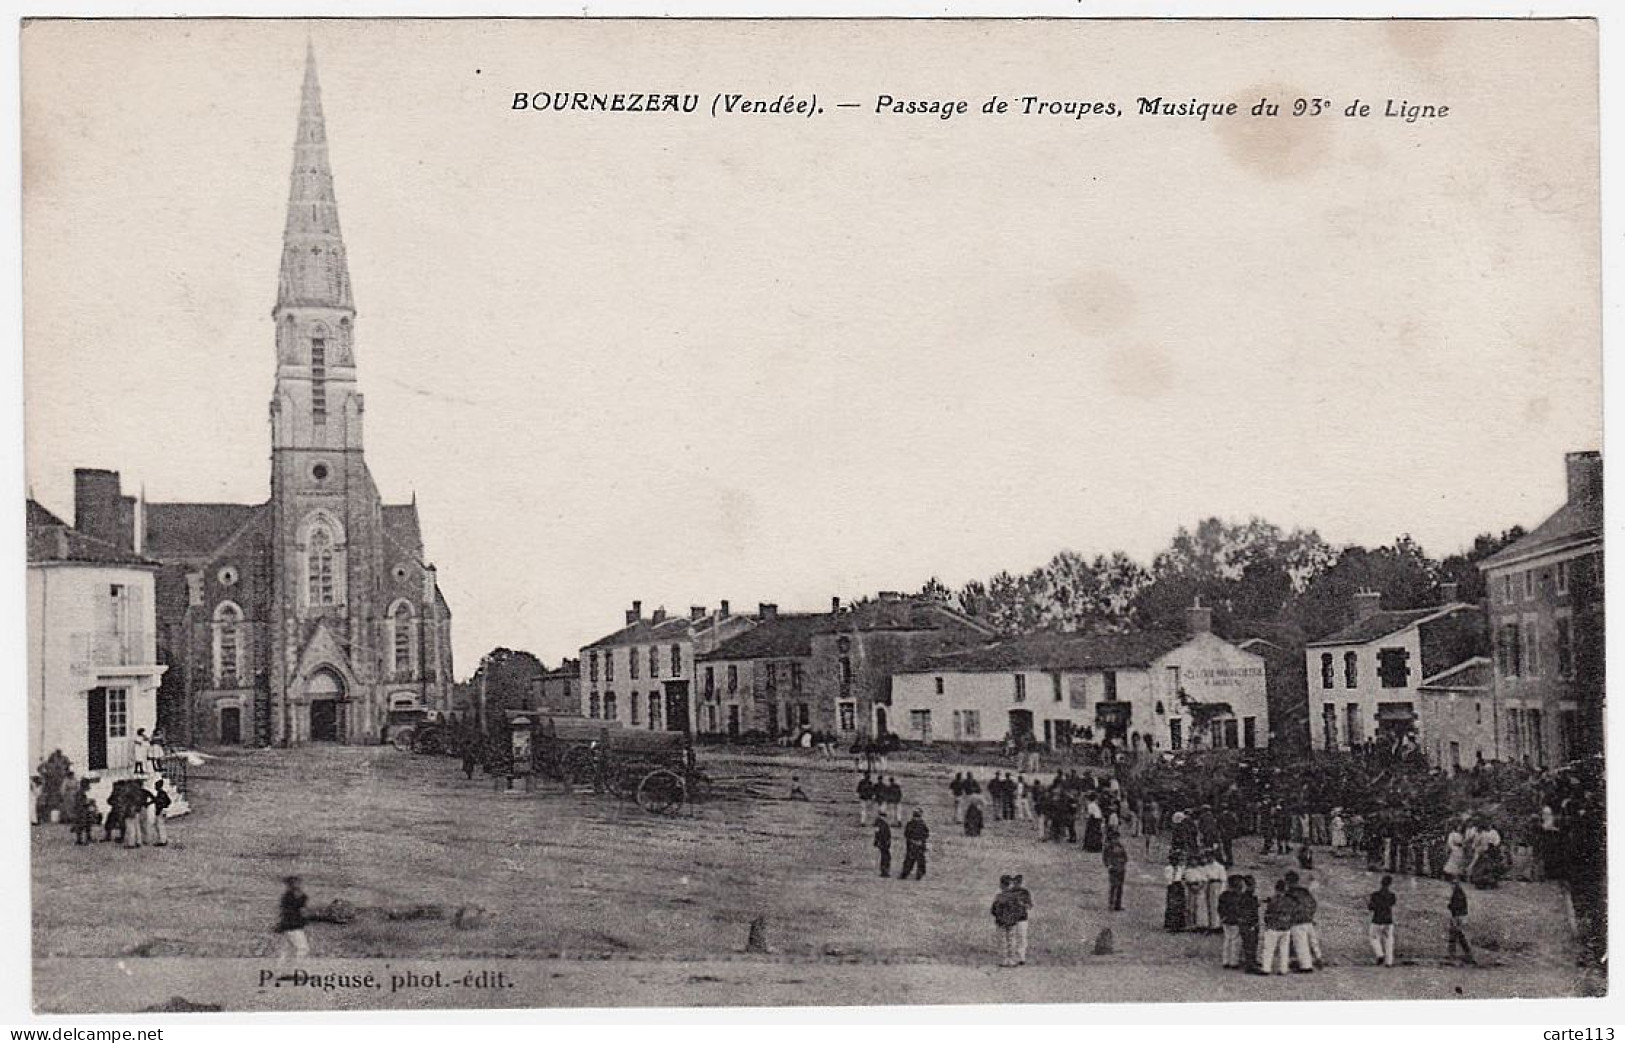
(1116, 858)
(1173, 916)
(883, 844)
(973, 820)
(915, 835)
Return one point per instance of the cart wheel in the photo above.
(402, 740)
(661, 792)
(621, 785)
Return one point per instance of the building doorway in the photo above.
(677, 706)
(231, 726)
(880, 721)
(96, 730)
(324, 690)
(1021, 725)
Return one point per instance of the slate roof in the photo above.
(193, 530)
(401, 526)
(785, 637)
(1574, 522)
(1469, 674)
(1380, 624)
(1063, 652)
(39, 516)
(645, 631)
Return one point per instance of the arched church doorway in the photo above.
(323, 691)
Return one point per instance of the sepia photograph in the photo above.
(620, 513)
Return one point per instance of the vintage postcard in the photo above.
(542, 513)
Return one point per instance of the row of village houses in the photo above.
(1518, 677)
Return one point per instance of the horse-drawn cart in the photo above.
(655, 768)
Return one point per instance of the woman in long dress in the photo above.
(1173, 917)
(1340, 837)
(1455, 858)
(1092, 832)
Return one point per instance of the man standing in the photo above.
(1230, 921)
(160, 814)
(135, 811)
(883, 844)
(894, 798)
(1458, 924)
(1276, 956)
(1381, 903)
(915, 835)
(291, 922)
(1305, 946)
(1247, 918)
(1007, 914)
(1008, 802)
(1116, 858)
(866, 799)
(1025, 897)
(1024, 799)
(957, 788)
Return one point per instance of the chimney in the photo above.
(1198, 619)
(722, 609)
(1585, 476)
(835, 606)
(1367, 603)
(1449, 593)
(97, 507)
(767, 612)
(634, 613)
(660, 614)
(696, 613)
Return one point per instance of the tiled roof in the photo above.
(1472, 673)
(646, 631)
(1380, 624)
(193, 530)
(783, 637)
(1575, 521)
(1063, 652)
(49, 540)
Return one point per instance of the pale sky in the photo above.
(681, 359)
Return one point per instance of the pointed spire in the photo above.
(314, 270)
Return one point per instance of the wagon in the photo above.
(657, 769)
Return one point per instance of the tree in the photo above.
(1403, 573)
(507, 679)
(1242, 571)
(1462, 568)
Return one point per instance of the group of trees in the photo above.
(506, 680)
(1259, 580)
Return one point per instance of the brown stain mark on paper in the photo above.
(1096, 302)
(1280, 147)
(1537, 410)
(1420, 41)
(1139, 369)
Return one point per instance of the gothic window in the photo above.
(318, 376)
(323, 542)
(228, 645)
(402, 643)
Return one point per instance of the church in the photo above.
(314, 616)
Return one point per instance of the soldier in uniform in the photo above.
(883, 844)
(915, 835)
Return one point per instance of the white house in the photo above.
(92, 655)
(1143, 691)
(1366, 680)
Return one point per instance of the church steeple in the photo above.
(316, 404)
(314, 271)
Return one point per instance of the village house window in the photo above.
(1021, 688)
(710, 681)
(1356, 733)
(1531, 643)
(1328, 671)
(770, 677)
(973, 724)
(847, 714)
(592, 667)
(1478, 713)
(1249, 732)
(919, 723)
(1393, 667)
(1528, 584)
(676, 660)
(1507, 650)
(1056, 680)
(632, 708)
(654, 662)
(609, 706)
(609, 664)
(1328, 722)
(1506, 589)
(1109, 679)
(939, 685)
(1172, 674)
(1562, 577)
(1351, 670)
(1176, 733)
(118, 713)
(228, 648)
(795, 677)
(593, 708)
(654, 711)
(632, 663)
(846, 671)
(1565, 647)
(733, 678)
(806, 714)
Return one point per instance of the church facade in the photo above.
(314, 616)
